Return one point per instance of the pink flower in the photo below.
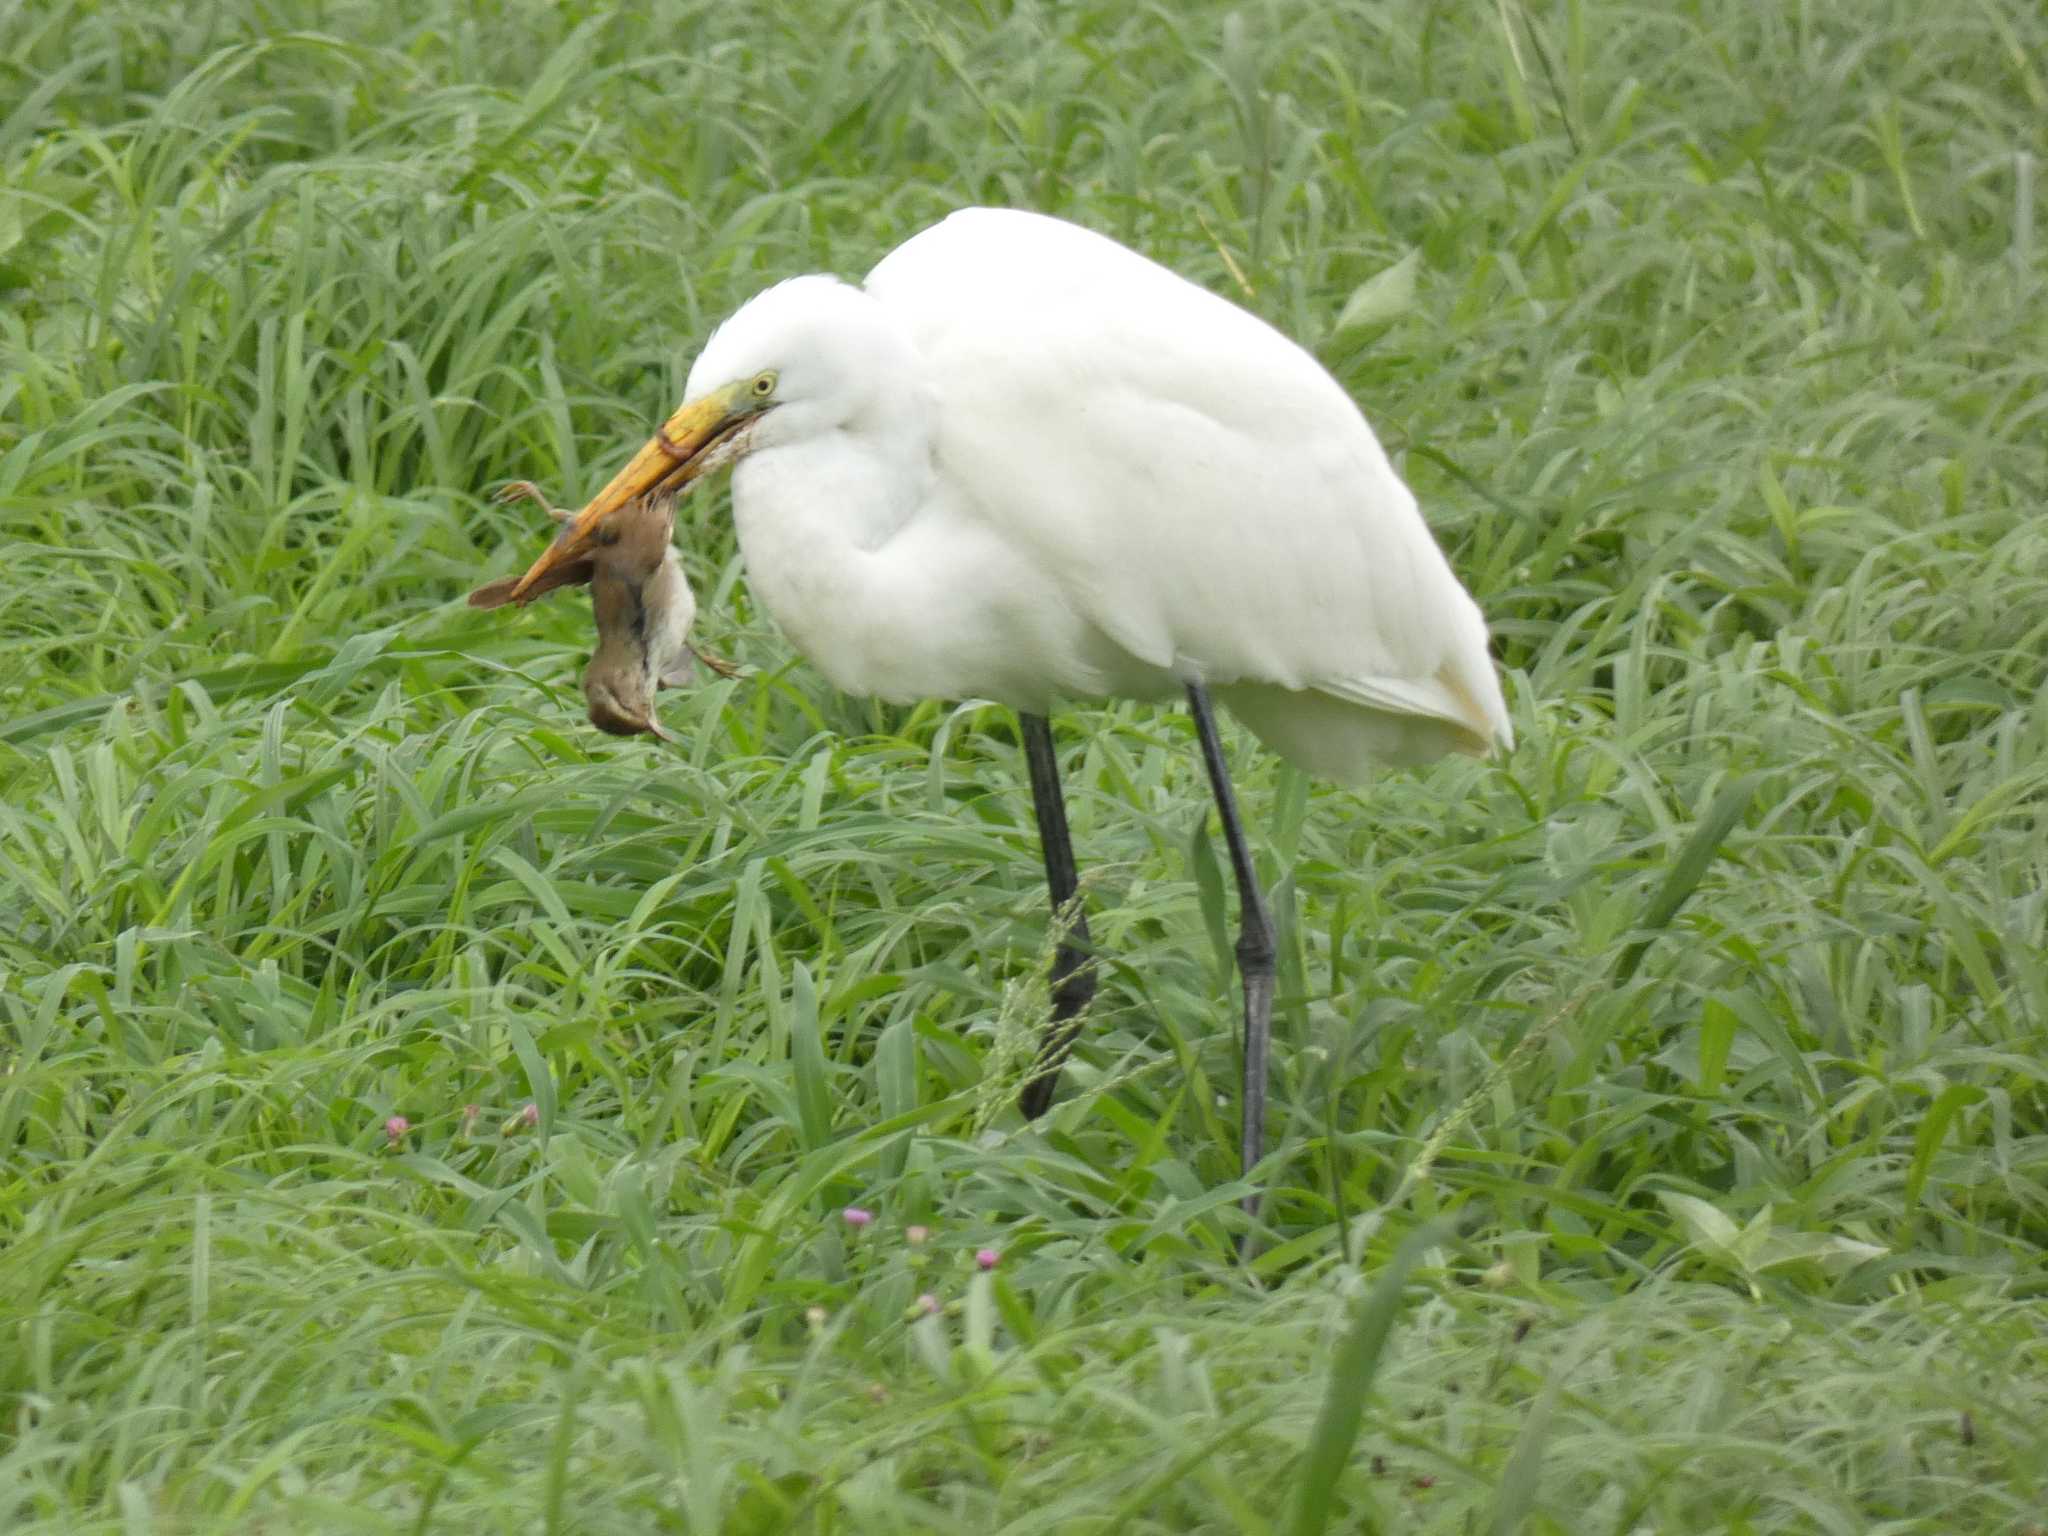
(988, 1258)
(916, 1235)
(927, 1305)
(395, 1129)
(525, 1120)
(855, 1217)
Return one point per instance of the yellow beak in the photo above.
(672, 458)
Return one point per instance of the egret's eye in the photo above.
(763, 385)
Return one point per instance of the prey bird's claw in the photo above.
(526, 490)
(715, 662)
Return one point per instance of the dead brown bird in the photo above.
(643, 606)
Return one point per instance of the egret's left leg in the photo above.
(1256, 951)
(1073, 972)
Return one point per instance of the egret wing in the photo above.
(1200, 487)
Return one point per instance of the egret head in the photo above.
(790, 362)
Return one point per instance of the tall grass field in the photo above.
(422, 1113)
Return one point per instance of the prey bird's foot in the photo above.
(526, 490)
(716, 663)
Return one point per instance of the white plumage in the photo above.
(1023, 461)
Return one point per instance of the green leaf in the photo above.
(807, 1058)
(1515, 1495)
(1707, 1226)
(1208, 875)
(1691, 865)
(1386, 295)
(1717, 1035)
(1928, 1138)
(1356, 1363)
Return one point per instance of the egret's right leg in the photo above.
(1073, 972)
(1256, 951)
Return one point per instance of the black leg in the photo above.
(1255, 947)
(1073, 974)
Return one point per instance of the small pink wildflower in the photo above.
(988, 1258)
(927, 1305)
(395, 1129)
(525, 1120)
(916, 1236)
(470, 1112)
(855, 1217)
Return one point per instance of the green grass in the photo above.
(1661, 1111)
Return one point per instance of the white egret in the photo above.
(1022, 462)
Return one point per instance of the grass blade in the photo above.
(1350, 1383)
